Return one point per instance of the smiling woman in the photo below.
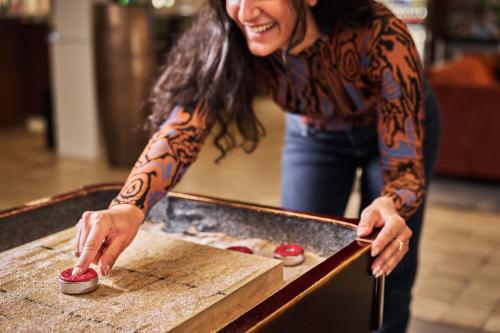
(350, 79)
(267, 25)
(223, 65)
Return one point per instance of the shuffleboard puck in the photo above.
(76, 285)
(290, 254)
(242, 249)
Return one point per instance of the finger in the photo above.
(369, 219)
(393, 226)
(77, 238)
(392, 262)
(397, 248)
(84, 230)
(99, 254)
(103, 247)
(84, 233)
(96, 258)
(98, 232)
(111, 253)
(391, 251)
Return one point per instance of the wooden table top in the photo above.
(158, 284)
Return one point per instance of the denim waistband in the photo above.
(352, 140)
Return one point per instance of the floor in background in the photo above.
(466, 193)
(28, 171)
(458, 282)
(422, 326)
(457, 289)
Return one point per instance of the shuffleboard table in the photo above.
(152, 283)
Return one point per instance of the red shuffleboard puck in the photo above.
(290, 254)
(242, 249)
(75, 285)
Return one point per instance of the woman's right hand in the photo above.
(103, 235)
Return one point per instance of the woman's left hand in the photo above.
(391, 244)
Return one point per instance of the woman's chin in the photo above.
(262, 50)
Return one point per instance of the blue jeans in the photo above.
(318, 171)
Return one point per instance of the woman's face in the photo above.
(266, 24)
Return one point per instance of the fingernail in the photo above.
(77, 271)
(105, 270)
(361, 231)
(379, 274)
(375, 251)
(376, 271)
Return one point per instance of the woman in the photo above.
(349, 76)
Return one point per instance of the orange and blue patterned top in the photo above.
(352, 77)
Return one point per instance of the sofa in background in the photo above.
(468, 90)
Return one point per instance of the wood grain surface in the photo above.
(158, 284)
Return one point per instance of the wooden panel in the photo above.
(158, 284)
(13, 105)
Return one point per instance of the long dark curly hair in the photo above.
(210, 66)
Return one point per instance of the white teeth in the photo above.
(262, 28)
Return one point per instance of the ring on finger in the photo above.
(400, 243)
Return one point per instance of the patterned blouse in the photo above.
(352, 77)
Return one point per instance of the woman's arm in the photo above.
(102, 236)
(166, 158)
(396, 70)
(396, 73)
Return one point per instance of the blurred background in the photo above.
(74, 75)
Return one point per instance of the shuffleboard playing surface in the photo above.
(158, 284)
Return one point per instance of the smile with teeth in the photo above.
(262, 27)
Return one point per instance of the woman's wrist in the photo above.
(133, 211)
(387, 201)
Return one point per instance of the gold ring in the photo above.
(401, 243)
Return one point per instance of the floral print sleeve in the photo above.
(395, 69)
(166, 157)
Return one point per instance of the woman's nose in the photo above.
(248, 10)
